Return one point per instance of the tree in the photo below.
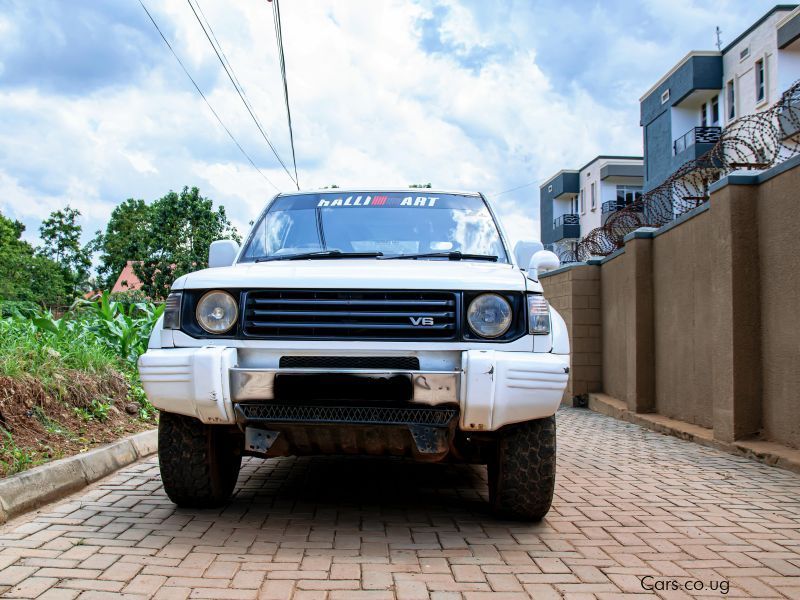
(24, 275)
(125, 238)
(182, 227)
(61, 235)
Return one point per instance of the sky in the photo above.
(471, 95)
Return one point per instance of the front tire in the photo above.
(199, 463)
(522, 474)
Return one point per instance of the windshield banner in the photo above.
(393, 200)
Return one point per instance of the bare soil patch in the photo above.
(72, 414)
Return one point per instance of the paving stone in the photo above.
(629, 503)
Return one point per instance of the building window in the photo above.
(760, 91)
(582, 205)
(731, 98)
(627, 195)
(703, 115)
(664, 96)
(594, 196)
(715, 110)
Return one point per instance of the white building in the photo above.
(684, 112)
(573, 202)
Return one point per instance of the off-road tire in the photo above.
(199, 463)
(522, 473)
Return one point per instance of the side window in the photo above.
(731, 99)
(761, 92)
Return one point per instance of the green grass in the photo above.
(26, 350)
(96, 338)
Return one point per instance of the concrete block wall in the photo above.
(697, 321)
(575, 294)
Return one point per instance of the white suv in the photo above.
(391, 322)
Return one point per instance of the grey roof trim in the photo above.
(622, 170)
(675, 68)
(610, 157)
(789, 29)
(774, 9)
(557, 175)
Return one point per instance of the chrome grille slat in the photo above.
(349, 314)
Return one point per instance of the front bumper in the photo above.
(491, 388)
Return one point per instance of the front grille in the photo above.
(399, 363)
(356, 415)
(382, 315)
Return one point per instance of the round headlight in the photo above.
(217, 311)
(489, 315)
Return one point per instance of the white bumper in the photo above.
(493, 388)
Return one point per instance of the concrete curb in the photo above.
(33, 488)
(769, 453)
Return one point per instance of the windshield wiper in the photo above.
(320, 254)
(455, 255)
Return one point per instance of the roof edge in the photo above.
(746, 32)
(553, 177)
(677, 66)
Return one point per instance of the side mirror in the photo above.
(523, 251)
(222, 253)
(542, 262)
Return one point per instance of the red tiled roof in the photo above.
(127, 280)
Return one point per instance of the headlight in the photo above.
(489, 315)
(217, 311)
(538, 315)
(172, 311)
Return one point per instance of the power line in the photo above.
(241, 95)
(203, 96)
(515, 189)
(276, 15)
(224, 56)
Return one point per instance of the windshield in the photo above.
(392, 224)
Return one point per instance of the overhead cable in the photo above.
(276, 15)
(203, 96)
(239, 91)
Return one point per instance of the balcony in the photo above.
(566, 227)
(696, 136)
(612, 206)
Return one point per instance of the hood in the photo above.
(362, 274)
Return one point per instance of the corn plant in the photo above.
(125, 327)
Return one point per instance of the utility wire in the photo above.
(203, 96)
(276, 15)
(224, 56)
(241, 95)
(519, 187)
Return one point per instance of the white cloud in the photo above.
(370, 106)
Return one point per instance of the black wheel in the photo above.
(199, 463)
(522, 474)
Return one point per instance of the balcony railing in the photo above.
(567, 227)
(611, 206)
(696, 135)
(566, 220)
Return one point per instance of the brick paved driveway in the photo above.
(630, 503)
